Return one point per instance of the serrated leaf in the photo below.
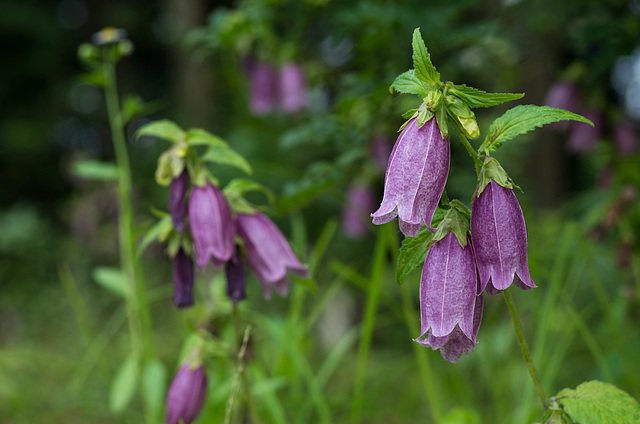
(522, 119)
(422, 61)
(478, 98)
(111, 279)
(154, 381)
(95, 170)
(158, 231)
(239, 186)
(123, 385)
(200, 137)
(164, 129)
(226, 156)
(409, 83)
(595, 402)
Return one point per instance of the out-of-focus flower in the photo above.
(269, 255)
(182, 280)
(582, 136)
(178, 200)
(380, 151)
(108, 35)
(212, 227)
(625, 138)
(499, 236)
(360, 201)
(186, 394)
(562, 95)
(236, 281)
(293, 88)
(263, 90)
(415, 177)
(450, 308)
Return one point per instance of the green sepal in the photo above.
(177, 241)
(424, 69)
(457, 221)
(409, 83)
(463, 118)
(164, 129)
(411, 113)
(443, 123)
(159, 231)
(171, 163)
(478, 98)
(492, 170)
(424, 115)
(237, 188)
(199, 174)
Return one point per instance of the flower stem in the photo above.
(241, 344)
(472, 152)
(523, 346)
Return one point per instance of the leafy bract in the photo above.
(595, 402)
(522, 119)
(123, 385)
(478, 98)
(200, 137)
(164, 129)
(409, 83)
(424, 69)
(224, 155)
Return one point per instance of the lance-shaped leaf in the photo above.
(596, 402)
(522, 119)
(164, 129)
(225, 156)
(422, 61)
(200, 137)
(478, 98)
(409, 83)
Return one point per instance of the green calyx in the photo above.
(456, 220)
(171, 163)
(462, 117)
(491, 170)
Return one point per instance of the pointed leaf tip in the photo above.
(424, 69)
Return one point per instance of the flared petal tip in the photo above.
(409, 229)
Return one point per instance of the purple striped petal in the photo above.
(178, 200)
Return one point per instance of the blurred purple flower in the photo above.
(263, 90)
(415, 177)
(186, 395)
(499, 236)
(582, 136)
(450, 308)
(212, 227)
(380, 150)
(178, 200)
(360, 201)
(293, 88)
(236, 281)
(182, 280)
(562, 95)
(269, 255)
(625, 138)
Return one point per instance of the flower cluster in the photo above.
(271, 89)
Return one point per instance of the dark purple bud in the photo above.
(263, 90)
(380, 150)
(359, 203)
(178, 200)
(182, 280)
(236, 280)
(212, 227)
(499, 236)
(293, 88)
(450, 309)
(415, 177)
(625, 138)
(186, 395)
(583, 137)
(269, 255)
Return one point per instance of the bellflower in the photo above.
(186, 395)
(450, 309)
(625, 138)
(582, 136)
(182, 280)
(269, 255)
(177, 200)
(236, 281)
(415, 178)
(212, 227)
(360, 200)
(263, 89)
(562, 95)
(293, 88)
(499, 236)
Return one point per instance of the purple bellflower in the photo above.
(212, 227)
(415, 178)
(360, 201)
(450, 308)
(177, 200)
(293, 88)
(499, 236)
(186, 394)
(236, 281)
(263, 89)
(582, 136)
(563, 95)
(269, 255)
(625, 138)
(182, 280)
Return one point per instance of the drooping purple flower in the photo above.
(499, 236)
(236, 281)
(450, 308)
(269, 255)
(415, 178)
(359, 203)
(263, 89)
(182, 280)
(625, 138)
(293, 88)
(186, 395)
(582, 136)
(178, 200)
(212, 227)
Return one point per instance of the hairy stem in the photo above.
(472, 152)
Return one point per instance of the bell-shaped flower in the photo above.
(178, 200)
(263, 88)
(499, 236)
(212, 227)
(359, 202)
(182, 280)
(186, 394)
(236, 280)
(269, 255)
(293, 88)
(415, 178)
(450, 308)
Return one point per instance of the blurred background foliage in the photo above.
(62, 336)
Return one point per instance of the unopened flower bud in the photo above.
(186, 394)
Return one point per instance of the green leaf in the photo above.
(164, 129)
(478, 98)
(154, 381)
(94, 78)
(595, 402)
(123, 385)
(422, 61)
(200, 137)
(134, 107)
(239, 186)
(159, 231)
(111, 279)
(95, 170)
(226, 156)
(522, 119)
(409, 83)
(309, 283)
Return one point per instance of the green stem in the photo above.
(241, 345)
(523, 346)
(472, 152)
